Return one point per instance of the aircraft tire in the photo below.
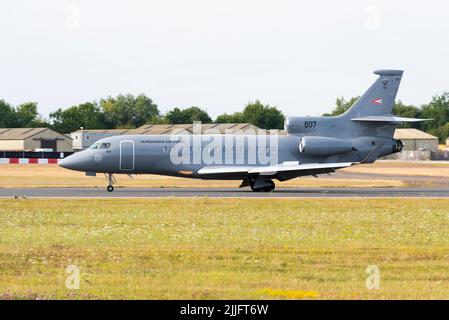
(110, 188)
(269, 188)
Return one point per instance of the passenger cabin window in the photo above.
(105, 146)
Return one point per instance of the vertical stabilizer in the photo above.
(379, 98)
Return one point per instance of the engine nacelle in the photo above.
(323, 146)
(397, 146)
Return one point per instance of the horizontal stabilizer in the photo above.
(390, 118)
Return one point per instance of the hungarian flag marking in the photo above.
(377, 101)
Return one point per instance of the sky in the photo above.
(219, 55)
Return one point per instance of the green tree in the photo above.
(442, 132)
(127, 111)
(407, 111)
(438, 110)
(236, 117)
(7, 115)
(27, 115)
(144, 111)
(188, 115)
(87, 115)
(341, 105)
(262, 116)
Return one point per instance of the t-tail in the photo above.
(362, 130)
(379, 99)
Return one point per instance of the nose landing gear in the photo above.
(111, 181)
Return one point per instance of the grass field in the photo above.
(32, 176)
(407, 168)
(225, 248)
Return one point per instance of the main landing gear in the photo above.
(111, 181)
(269, 187)
(259, 184)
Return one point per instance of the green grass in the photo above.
(224, 248)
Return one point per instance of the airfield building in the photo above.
(417, 140)
(82, 139)
(34, 139)
(418, 145)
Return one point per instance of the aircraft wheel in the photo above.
(110, 188)
(269, 188)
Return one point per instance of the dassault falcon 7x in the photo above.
(311, 146)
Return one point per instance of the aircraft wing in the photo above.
(271, 170)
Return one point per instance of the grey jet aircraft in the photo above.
(311, 146)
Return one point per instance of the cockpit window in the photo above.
(94, 146)
(105, 146)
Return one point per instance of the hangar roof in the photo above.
(188, 128)
(156, 129)
(412, 134)
(20, 133)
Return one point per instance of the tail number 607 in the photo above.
(310, 124)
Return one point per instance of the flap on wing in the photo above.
(388, 119)
(300, 167)
(270, 170)
(218, 170)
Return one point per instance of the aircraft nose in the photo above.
(74, 162)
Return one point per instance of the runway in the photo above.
(67, 193)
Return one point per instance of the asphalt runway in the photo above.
(225, 193)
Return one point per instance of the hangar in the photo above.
(416, 140)
(418, 145)
(34, 139)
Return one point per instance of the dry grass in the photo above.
(395, 168)
(30, 176)
(225, 248)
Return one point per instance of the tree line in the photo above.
(129, 111)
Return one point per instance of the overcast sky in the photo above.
(219, 55)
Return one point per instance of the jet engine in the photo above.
(397, 146)
(323, 146)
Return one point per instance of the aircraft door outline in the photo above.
(127, 155)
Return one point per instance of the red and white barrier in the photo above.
(29, 161)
